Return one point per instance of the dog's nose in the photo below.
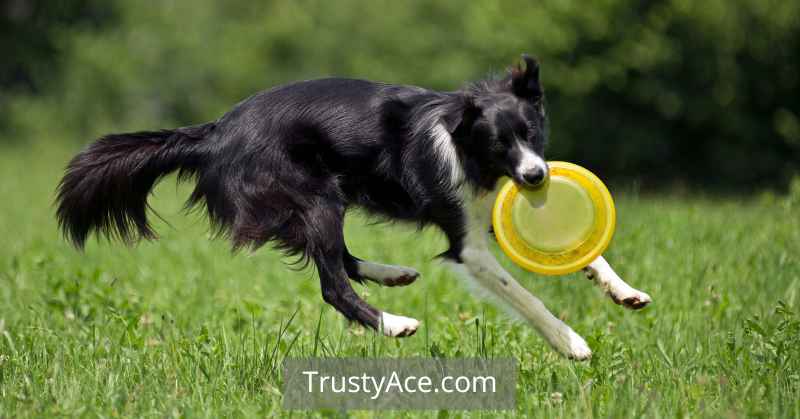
(534, 177)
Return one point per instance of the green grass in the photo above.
(181, 327)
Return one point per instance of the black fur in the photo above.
(285, 164)
(106, 185)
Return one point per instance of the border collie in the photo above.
(284, 166)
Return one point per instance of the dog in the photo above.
(284, 165)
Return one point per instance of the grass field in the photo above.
(180, 327)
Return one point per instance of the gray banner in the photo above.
(404, 383)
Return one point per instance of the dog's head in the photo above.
(502, 125)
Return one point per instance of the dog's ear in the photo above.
(459, 116)
(525, 81)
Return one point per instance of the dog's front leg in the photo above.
(479, 265)
(601, 273)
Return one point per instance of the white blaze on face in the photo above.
(529, 161)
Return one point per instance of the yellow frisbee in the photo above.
(558, 228)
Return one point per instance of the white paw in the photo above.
(570, 344)
(631, 298)
(398, 326)
(388, 275)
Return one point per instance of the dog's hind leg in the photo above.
(388, 275)
(326, 248)
(601, 273)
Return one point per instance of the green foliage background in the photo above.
(704, 93)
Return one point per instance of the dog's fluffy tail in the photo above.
(106, 185)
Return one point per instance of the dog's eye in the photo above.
(499, 145)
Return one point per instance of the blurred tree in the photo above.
(662, 91)
(29, 38)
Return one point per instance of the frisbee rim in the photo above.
(605, 206)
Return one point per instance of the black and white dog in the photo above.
(285, 165)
